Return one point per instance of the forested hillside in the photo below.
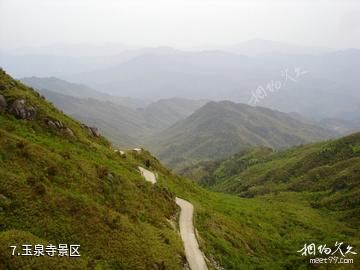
(220, 129)
(327, 172)
(61, 182)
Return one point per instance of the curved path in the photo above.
(193, 253)
(148, 175)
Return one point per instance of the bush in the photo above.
(102, 172)
(52, 171)
(40, 189)
(355, 149)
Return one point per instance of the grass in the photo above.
(266, 230)
(263, 232)
(77, 190)
(220, 129)
(287, 198)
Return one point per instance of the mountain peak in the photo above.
(220, 129)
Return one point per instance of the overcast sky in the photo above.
(179, 23)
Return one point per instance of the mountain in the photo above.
(168, 73)
(328, 169)
(79, 90)
(339, 125)
(304, 76)
(166, 112)
(61, 182)
(256, 47)
(302, 80)
(116, 117)
(122, 125)
(220, 129)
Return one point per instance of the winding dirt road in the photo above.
(148, 175)
(193, 253)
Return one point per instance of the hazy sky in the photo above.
(179, 23)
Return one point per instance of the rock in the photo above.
(110, 176)
(92, 131)
(21, 111)
(3, 103)
(88, 130)
(59, 124)
(55, 124)
(69, 132)
(95, 132)
(119, 152)
(51, 124)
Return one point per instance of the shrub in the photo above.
(40, 189)
(355, 149)
(52, 171)
(102, 172)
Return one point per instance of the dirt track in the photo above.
(148, 175)
(193, 253)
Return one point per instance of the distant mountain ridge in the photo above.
(79, 91)
(181, 130)
(61, 182)
(163, 72)
(124, 126)
(256, 47)
(220, 129)
(118, 118)
(165, 112)
(121, 124)
(220, 75)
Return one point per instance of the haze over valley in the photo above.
(187, 135)
(311, 94)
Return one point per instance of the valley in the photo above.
(179, 135)
(81, 183)
(182, 132)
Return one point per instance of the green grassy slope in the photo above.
(56, 187)
(220, 129)
(124, 126)
(123, 121)
(120, 124)
(264, 232)
(329, 171)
